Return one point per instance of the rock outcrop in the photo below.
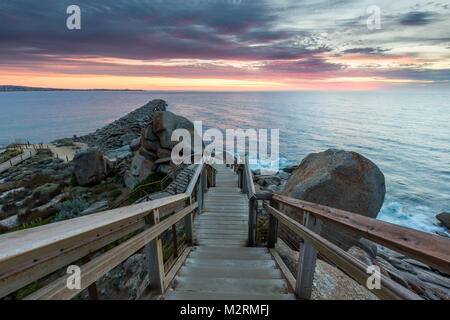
(339, 179)
(124, 130)
(90, 166)
(155, 146)
(444, 218)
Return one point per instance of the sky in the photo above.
(226, 45)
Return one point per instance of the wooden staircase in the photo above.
(219, 260)
(221, 266)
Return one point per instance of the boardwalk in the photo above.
(27, 153)
(221, 266)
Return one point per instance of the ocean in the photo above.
(406, 133)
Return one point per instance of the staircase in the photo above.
(221, 266)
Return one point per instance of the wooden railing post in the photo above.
(154, 253)
(175, 241)
(92, 289)
(204, 178)
(307, 260)
(252, 206)
(188, 231)
(200, 194)
(272, 233)
(244, 181)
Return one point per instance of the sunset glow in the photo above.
(225, 46)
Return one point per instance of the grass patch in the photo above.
(102, 188)
(22, 293)
(148, 186)
(36, 223)
(73, 180)
(119, 241)
(115, 193)
(8, 154)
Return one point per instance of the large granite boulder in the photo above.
(155, 146)
(339, 179)
(90, 166)
(141, 168)
(165, 123)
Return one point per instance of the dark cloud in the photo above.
(146, 29)
(33, 36)
(416, 18)
(308, 65)
(366, 51)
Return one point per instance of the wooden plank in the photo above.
(155, 262)
(190, 188)
(307, 261)
(21, 275)
(26, 245)
(92, 289)
(424, 247)
(249, 177)
(349, 264)
(272, 234)
(174, 270)
(97, 267)
(251, 223)
(284, 269)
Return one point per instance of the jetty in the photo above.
(219, 258)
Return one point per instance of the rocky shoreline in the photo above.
(301, 182)
(128, 155)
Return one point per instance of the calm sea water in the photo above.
(407, 134)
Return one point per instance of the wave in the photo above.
(417, 217)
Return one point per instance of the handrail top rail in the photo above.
(19, 242)
(353, 266)
(22, 241)
(422, 246)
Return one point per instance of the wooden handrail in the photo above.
(427, 248)
(352, 266)
(249, 176)
(194, 179)
(96, 268)
(28, 255)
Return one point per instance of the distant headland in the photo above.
(9, 88)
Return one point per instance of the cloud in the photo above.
(417, 18)
(219, 38)
(366, 51)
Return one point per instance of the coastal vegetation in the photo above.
(128, 162)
